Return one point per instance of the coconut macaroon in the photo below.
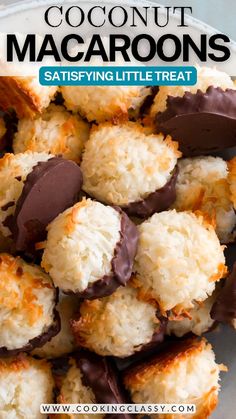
(185, 373)
(197, 321)
(91, 379)
(14, 170)
(25, 95)
(103, 103)
(63, 343)
(206, 77)
(74, 390)
(25, 383)
(201, 117)
(132, 169)
(179, 260)
(90, 249)
(28, 182)
(55, 131)
(27, 306)
(118, 325)
(202, 185)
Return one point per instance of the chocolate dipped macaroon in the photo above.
(179, 261)
(118, 325)
(203, 184)
(201, 117)
(13, 172)
(28, 182)
(91, 379)
(63, 343)
(185, 373)
(55, 131)
(123, 165)
(224, 308)
(90, 249)
(27, 310)
(25, 383)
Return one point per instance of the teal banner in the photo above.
(117, 76)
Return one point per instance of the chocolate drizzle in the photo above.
(203, 122)
(99, 375)
(49, 189)
(122, 262)
(157, 201)
(224, 308)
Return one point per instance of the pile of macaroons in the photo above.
(115, 215)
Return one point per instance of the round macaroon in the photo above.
(185, 373)
(132, 169)
(118, 325)
(206, 77)
(91, 379)
(63, 343)
(90, 249)
(25, 383)
(201, 117)
(56, 131)
(179, 260)
(202, 185)
(28, 181)
(74, 390)
(198, 320)
(27, 309)
(104, 103)
(13, 173)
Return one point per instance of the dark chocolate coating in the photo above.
(38, 341)
(230, 255)
(122, 262)
(224, 308)
(49, 189)
(159, 334)
(60, 366)
(202, 123)
(11, 122)
(148, 101)
(157, 201)
(98, 374)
